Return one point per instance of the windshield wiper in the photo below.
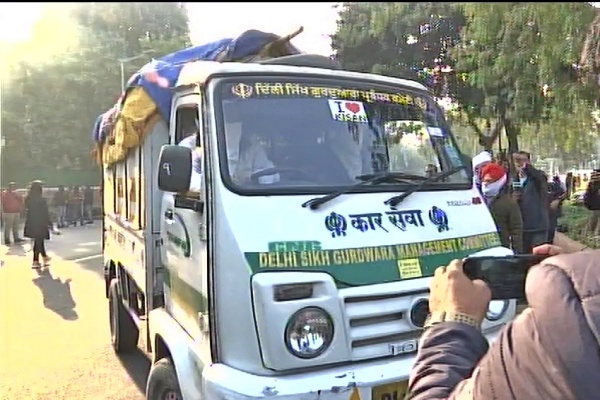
(392, 175)
(394, 201)
(372, 179)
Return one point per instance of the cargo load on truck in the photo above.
(148, 93)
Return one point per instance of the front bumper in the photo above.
(221, 382)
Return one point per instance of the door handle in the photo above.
(169, 214)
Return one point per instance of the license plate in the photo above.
(391, 391)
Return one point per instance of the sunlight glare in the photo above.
(17, 21)
(35, 33)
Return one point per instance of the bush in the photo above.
(573, 222)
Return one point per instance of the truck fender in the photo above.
(180, 346)
(109, 274)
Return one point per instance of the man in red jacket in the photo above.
(12, 205)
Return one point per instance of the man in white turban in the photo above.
(479, 161)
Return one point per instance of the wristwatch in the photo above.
(442, 316)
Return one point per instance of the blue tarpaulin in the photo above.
(168, 68)
(96, 131)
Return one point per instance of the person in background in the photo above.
(556, 179)
(431, 170)
(556, 195)
(59, 202)
(12, 206)
(533, 202)
(190, 140)
(88, 204)
(504, 209)
(505, 164)
(68, 208)
(480, 161)
(569, 184)
(37, 223)
(591, 200)
(75, 206)
(548, 352)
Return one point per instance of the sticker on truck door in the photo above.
(178, 235)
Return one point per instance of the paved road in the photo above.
(54, 332)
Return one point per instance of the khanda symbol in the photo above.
(439, 218)
(242, 90)
(336, 224)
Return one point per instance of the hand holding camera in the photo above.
(453, 292)
(468, 286)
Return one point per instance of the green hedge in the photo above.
(52, 178)
(575, 218)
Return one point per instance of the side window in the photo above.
(187, 129)
(186, 122)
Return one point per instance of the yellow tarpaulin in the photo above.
(134, 121)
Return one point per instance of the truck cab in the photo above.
(303, 261)
(293, 244)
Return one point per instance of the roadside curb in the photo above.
(568, 244)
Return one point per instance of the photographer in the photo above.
(591, 200)
(549, 352)
(556, 196)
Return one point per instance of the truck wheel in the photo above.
(124, 333)
(162, 382)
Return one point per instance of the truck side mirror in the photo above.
(174, 168)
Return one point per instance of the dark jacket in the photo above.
(591, 198)
(60, 199)
(533, 201)
(508, 220)
(549, 352)
(37, 220)
(88, 197)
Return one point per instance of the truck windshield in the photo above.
(282, 135)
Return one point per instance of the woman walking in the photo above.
(37, 223)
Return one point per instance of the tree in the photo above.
(521, 56)
(49, 107)
(590, 54)
(396, 39)
(411, 41)
(510, 66)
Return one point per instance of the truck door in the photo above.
(184, 251)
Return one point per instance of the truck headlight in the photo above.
(496, 310)
(309, 332)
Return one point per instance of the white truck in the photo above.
(299, 269)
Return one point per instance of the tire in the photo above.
(124, 333)
(162, 382)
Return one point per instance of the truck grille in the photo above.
(378, 321)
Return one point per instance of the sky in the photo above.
(318, 20)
